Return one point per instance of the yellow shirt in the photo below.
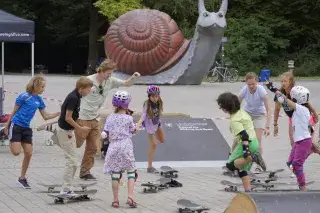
(91, 103)
(240, 121)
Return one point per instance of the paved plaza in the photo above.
(200, 184)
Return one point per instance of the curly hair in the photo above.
(229, 102)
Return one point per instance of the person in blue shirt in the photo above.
(18, 126)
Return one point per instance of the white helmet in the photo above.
(121, 99)
(300, 94)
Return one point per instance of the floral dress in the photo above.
(120, 156)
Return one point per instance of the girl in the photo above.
(300, 129)
(241, 126)
(256, 106)
(287, 83)
(119, 128)
(18, 126)
(150, 119)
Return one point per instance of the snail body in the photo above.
(151, 43)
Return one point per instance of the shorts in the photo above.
(312, 121)
(20, 134)
(238, 153)
(259, 122)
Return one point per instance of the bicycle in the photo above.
(228, 74)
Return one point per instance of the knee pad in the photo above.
(231, 166)
(116, 176)
(243, 174)
(132, 174)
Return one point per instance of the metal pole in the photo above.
(291, 65)
(32, 59)
(2, 72)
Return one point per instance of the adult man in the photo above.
(103, 82)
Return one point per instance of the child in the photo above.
(150, 119)
(241, 126)
(65, 130)
(287, 83)
(301, 129)
(18, 126)
(119, 128)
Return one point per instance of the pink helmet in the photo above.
(153, 90)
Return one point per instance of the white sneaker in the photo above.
(292, 175)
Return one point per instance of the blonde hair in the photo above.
(83, 82)
(35, 84)
(251, 75)
(150, 112)
(292, 81)
(106, 65)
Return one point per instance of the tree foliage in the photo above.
(112, 9)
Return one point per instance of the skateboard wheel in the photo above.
(161, 173)
(235, 189)
(48, 142)
(50, 190)
(144, 190)
(176, 175)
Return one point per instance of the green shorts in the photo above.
(238, 153)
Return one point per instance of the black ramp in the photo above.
(187, 139)
(276, 202)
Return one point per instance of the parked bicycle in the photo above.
(225, 73)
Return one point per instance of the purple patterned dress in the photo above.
(120, 156)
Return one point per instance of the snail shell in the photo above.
(145, 41)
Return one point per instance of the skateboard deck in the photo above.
(154, 187)
(171, 182)
(271, 174)
(78, 196)
(190, 206)
(168, 172)
(47, 126)
(257, 184)
(83, 186)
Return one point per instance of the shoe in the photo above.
(257, 158)
(24, 183)
(54, 137)
(152, 170)
(315, 148)
(88, 177)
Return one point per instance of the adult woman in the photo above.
(256, 106)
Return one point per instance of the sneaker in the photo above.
(152, 170)
(257, 158)
(24, 183)
(315, 148)
(54, 137)
(88, 177)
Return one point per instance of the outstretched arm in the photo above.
(47, 116)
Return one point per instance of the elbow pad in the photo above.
(244, 135)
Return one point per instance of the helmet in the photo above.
(121, 99)
(153, 90)
(300, 94)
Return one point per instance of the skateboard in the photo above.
(154, 187)
(271, 174)
(233, 187)
(171, 182)
(78, 196)
(168, 172)
(81, 185)
(190, 207)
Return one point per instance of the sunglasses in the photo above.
(100, 90)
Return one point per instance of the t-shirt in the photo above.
(28, 104)
(71, 103)
(240, 121)
(300, 123)
(91, 103)
(254, 102)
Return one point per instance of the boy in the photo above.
(65, 130)
(247, 149)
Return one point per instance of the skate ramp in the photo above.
(275, 202)
(189, 142)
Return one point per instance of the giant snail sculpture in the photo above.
(151, 43)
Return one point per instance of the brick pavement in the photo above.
(200, 184)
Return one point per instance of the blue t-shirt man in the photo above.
(28, 106)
